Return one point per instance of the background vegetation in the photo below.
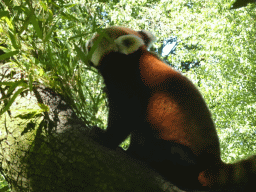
(45, 41)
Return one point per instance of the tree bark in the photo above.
(59, 155)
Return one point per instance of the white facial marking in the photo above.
(102, 48)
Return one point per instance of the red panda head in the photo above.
(118, 39)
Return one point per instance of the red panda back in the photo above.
(176, 108)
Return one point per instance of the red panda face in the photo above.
(118, 39)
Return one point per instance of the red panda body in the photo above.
(170, 124)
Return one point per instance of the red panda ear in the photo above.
(128, 43)
(147, 37)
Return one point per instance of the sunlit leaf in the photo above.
(43, 5)
(12, 99)
(44, 107)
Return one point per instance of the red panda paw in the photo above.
(202, 178)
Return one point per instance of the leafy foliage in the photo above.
(3, 185)
(46, 40)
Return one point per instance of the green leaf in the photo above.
(81, 54)
(68, 16)
(16, 94)
(77, 36)
(30, 82)
(14, 40)
(4, 189)
(14, 85)
(26, 22)
(35, 23)
(48, 35)
(50, 17)
(69, 5)
(49, 51)
(6, 83)
(29, 114)
(93, 48)
(4, 14)
(9, 22)
(44, 107)
(45, 7)
(8, 55)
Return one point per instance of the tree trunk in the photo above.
(57, 153)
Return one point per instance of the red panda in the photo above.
(170, 124)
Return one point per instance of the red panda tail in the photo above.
(240, 175)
